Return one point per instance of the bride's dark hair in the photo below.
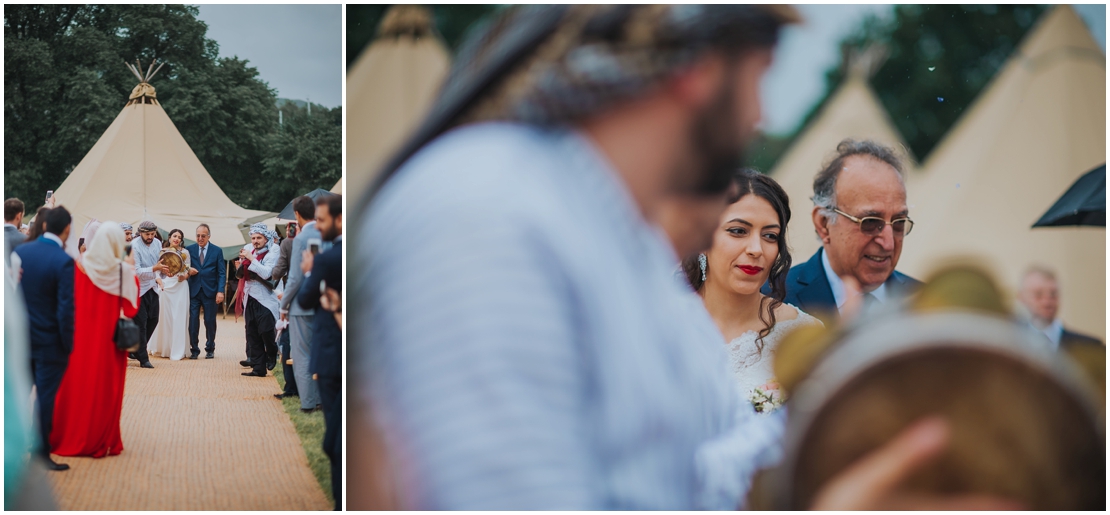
(751, 182)
(166, 244)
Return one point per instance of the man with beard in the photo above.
(325, 272)
(146, 266)
(524, 345)
(256, 301)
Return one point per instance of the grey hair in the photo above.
(824, 184)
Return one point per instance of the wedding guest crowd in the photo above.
(524, 342)
(73, 302)
(324, 275)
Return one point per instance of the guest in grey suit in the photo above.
(13, 219)
(300, 319)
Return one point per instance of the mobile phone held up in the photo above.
(314, 245)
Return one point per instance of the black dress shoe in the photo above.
(255, 374)
(194, 356)
(146, 364)
(132, 355)
(310, 410)
(209, 355)
(246, 363)
(53, 465)
(271, 364)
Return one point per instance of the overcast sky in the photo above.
(797, 79)
(298, 49)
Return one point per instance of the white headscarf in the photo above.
(90, 231)
(103, 258)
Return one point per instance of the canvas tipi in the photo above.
(142, 169)
(390, 88)
(852, 111)
(1037, 127)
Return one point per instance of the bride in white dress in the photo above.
(749, 249)
(170, 337)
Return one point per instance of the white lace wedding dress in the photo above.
(170, 338)
(752, 365)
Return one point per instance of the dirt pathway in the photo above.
(197, 435)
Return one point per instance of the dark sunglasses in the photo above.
(874, 225)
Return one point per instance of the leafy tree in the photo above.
(65, 82)
(304, 154)
(452, 22)
(940, 57)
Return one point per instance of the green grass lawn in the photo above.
(310, 427)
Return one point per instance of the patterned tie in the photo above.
(202, 249)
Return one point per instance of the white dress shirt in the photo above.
(837, 285)
(1054, 332)
(263, 268)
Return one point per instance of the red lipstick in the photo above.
(750, 270)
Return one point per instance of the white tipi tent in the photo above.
(142, 169)
(389, 90)
(853, 111)
(1038, 126)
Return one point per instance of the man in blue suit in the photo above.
(861, 217)
(47, 286)
(207, 278)
(326, 363)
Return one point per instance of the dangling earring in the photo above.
(702, 264)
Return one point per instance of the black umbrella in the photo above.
(287, 213)
(1083, 204)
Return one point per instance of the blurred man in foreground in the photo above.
(524, 343)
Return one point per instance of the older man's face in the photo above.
(866, 187)
(1041, 296)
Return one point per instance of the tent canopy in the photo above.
(142, 169)
(390, 88)
(287, 213)
(1037, 127)
(853, 111)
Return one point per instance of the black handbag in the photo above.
(127, 335)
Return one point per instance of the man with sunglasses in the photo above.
(861, 217)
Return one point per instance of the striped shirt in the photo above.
(528, 347)
(146, 256)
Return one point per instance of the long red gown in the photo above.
(90, 398)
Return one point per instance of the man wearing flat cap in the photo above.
(128, 231)
(146, 251)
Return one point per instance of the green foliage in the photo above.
(307, 150)
(940, 57)
(65, 82)
(452, 22)
(310, 428)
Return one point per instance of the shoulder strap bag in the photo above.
(127, 335)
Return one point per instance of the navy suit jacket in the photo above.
(1069, 338)
(47, 286)
(327, 337)
(211, 274)
(808, 288)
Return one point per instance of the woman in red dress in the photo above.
(90, 398)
